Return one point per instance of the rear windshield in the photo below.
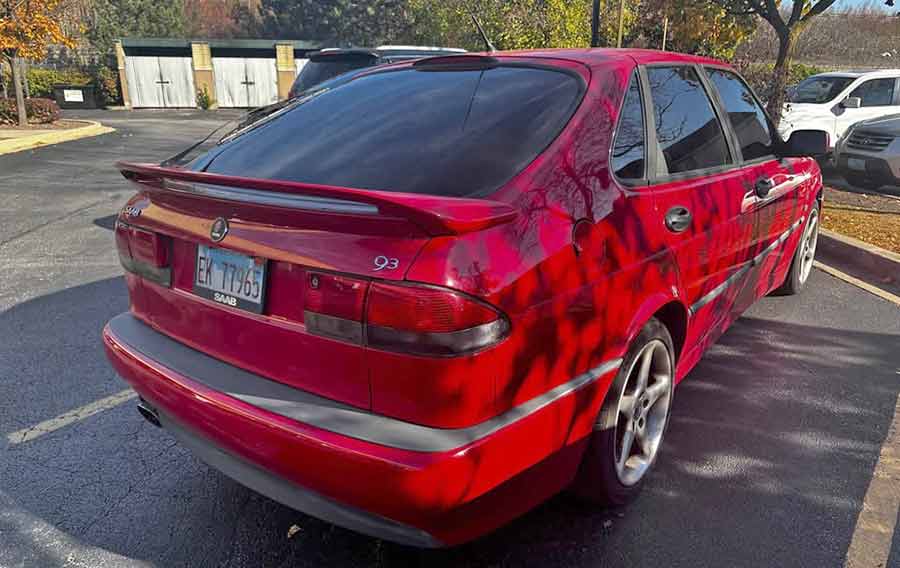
(449, 132)
(317, 70)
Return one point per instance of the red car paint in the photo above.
(574, 261)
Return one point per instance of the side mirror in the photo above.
(806, 143)
(852, 102)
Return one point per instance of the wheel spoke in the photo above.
(644, 370)
(627, 442)
(655, 391)
(626, 406)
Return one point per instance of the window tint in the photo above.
(747, 118)
(687, 131)
(877, 92)
(628, 149)
(443, 132)
(317, 70)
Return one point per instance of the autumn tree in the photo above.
(27, 28)
(788, 26)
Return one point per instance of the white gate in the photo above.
(245, 82)
(160, 82)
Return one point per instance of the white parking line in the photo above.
(70, 417)
(874, 532)
(883, 294)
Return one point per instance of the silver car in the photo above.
(868, 155)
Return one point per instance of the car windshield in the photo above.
(325, 67)
(458, 132)
(819, 89)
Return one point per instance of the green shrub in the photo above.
(759, 75)
(39, 111)
(108, 91)
(41, 81)
(204, 101)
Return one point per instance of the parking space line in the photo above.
(874, 532)
(70, 417)
(883, 294)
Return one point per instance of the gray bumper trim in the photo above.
(318, 411)
(294, 496)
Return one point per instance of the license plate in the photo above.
(230, 278)
(856, 164)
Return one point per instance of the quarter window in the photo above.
(688, 134)
(877, 92)
(628, 150)
(746, 116)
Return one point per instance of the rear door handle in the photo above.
(678, 219)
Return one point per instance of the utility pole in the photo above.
(595, 24)
(621, 22)
(665, 32)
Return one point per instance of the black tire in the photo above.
(861, 181)
(796, 279)
(597, 480)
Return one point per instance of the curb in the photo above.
(871, 263)
(53, 137)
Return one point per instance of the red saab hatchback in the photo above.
(420, 303)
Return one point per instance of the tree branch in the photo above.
(819, 7)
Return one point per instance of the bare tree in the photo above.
(787, 26)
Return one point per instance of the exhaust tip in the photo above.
(149, 413)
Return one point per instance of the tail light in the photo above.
(144, 253)
(409, 318)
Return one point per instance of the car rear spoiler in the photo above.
(434, 214)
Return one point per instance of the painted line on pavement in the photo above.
(883, 294)
(70, 417)
(870, 546)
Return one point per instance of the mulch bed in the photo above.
(874, 219)
(58, 125)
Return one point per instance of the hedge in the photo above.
(759, 75)
(39, 111)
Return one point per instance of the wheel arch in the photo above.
(670, 311)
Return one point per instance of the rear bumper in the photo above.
(379, 476)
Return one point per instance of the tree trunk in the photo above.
(23, 65)
(3, 79)
(780, 74)
(17, 87)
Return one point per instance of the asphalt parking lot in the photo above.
(769, 456)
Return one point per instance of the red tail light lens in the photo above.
(144, 253)
(407, 318)
(333, 306)
(425, 320)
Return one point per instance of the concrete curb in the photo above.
(53, 137)
(871, 263)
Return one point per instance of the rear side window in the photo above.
(628, 149)
(461, 132)
(876, 92)
(688, 133)
(747, 118)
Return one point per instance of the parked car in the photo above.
(331, 62)
(869, 155)
(475, 285)
(832, 102)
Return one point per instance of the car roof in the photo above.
(861, 73)
(605, 55)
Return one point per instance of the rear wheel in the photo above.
(631, 424)
(862, 181)
(804, 257)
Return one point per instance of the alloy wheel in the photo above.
(808, 245)
(642, 412)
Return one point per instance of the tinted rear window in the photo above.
(453, 133)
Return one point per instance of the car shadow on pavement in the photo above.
(769, 453)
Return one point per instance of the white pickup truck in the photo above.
(833, 102)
